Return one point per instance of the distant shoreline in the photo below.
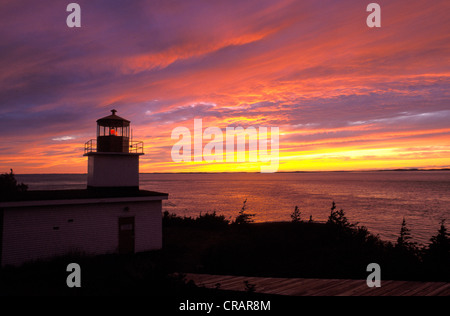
(249, 172)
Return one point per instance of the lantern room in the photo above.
(113, 159)
(113, 134)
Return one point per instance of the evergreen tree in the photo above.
(403, 241)
(243, 217)
(295, 216)
(338, 218)
(440, 244)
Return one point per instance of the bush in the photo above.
(171, 219)
(211, 219)
(9, 185)
(203, 220)
(244, 218)
(337, 249)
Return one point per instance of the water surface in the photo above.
(377, 200)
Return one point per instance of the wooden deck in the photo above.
(320, 287)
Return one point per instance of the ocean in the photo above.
(378, 200)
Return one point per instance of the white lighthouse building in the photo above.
(112, 215)
(114, 161)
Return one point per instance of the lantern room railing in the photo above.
(90, 146)
(136, 147)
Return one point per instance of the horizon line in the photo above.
(255, 172)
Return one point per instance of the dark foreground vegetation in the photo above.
(336, 249)
(141, 274)
(9, 185)
(212, 244)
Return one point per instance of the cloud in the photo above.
(312, 68)
(63, 138)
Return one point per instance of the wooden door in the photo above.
(126, 235)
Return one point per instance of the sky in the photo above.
(344, 96)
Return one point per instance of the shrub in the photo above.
(211, 219)
(203, 220)
(9, 185)
(244, 218)
(170, 219)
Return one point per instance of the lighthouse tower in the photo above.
(113, 159)
(111, 216)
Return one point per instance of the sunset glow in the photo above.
(344, 96)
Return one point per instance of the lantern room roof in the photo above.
(113, 120)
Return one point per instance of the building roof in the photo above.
(78, 196)
(113, 120)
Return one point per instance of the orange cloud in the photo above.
(344, 96)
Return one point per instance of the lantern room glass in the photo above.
(122, 131)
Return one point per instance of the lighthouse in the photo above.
(111, 215)
(113, 158)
